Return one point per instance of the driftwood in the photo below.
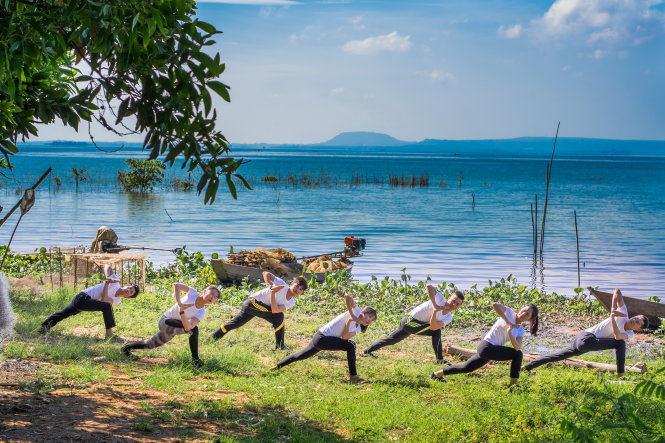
(637, 367)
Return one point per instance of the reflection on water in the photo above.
(433, 231)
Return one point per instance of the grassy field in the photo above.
(71, 383)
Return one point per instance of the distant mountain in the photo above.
(363, 139)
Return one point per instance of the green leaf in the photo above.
(221, 89)
(205, 27)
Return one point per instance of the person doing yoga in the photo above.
(427, 318)
(182, 318)
(269, 304)
(507, 328)
(610, 333)
(335, 336)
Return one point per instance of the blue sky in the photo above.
(303, 71)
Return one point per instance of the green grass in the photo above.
(310, 400)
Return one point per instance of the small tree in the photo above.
(80, 175)
(142, 176)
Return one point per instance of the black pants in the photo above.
(583, 343)
(410, 326)
(485, 353)
(82, 302)
(250, 309)
(322, 342)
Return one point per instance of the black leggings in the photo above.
(583, 343)
(485, 353)
(250, 309)
(410, 326)
(82, 302)
(322, 342)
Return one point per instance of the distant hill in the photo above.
(363, 139)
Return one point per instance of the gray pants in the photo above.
(583, 343)
(165, 334)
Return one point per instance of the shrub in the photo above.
(142, 176)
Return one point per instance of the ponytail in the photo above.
(533, 322)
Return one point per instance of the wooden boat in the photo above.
(227, 273)
(636, 306)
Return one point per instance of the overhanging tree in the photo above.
(134, 66)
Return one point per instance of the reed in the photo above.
(547, 189)
(577, 246)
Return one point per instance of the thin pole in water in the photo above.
(547, 189)
(577, 245)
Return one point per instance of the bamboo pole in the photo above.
(577, 246)
(547, 190)
(638, 367)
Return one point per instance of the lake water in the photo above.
(432, 231)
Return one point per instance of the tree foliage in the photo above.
(142, 176)
(134, 66)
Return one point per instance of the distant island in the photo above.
(369, 142)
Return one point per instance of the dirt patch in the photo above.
(115, 411)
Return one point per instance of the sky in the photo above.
(304, 71)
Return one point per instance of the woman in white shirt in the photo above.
(428, 318)
(182, 318)
(335, 336)
(508, 328)
(611, 333)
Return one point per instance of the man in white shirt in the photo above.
(100, 297)
(182, 318)
(427, 318)
(269, 304)
(611, 333)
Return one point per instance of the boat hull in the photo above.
(652, 310)
(229, 273)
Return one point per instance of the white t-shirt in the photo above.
(498, 335)
(423, 312)
(95, 292)
(280, 298)
(335, 326)
(191, 312)
(604, 328)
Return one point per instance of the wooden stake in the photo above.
(577, 246)
(547, 190)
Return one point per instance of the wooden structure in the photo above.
(129, 267)
(636, 306)
(468, 353)
(227, 273)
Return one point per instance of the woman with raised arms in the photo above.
(508, 328)
(336, 336)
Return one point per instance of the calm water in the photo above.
(431, 231)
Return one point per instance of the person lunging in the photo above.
(611, 333)
(269, 304)
(335, 336)
(507, 328)
(182, 318)
(100, 297)
(428, 318)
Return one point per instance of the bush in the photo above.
(142, 176)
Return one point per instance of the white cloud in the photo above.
(336, 91)
(392, 42)
(253, 2)
(510, 31)
(601, 22)
(357, 22)
(441, 76)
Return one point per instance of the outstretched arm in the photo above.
(108, 271)
(105, 292)
(501, 310)
(431, 293)
(350, 306)
(617, 303)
